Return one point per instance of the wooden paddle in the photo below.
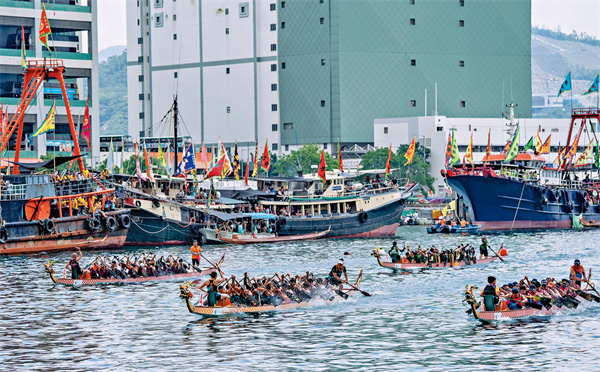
(497, 255)
(213, 265)
(358, 289)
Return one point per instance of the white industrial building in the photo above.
(218, 57)
(433, 131)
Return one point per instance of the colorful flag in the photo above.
(388, 163)
(538, 143)
(163, 162)
(488, 150)
(455, 155)
(149, 172)
(86, 127)
(236, 163)
(247, 168)
(265, 163)
(44, 27)
(226, 163)
(138, 166)
(573, 149)
(514, 146)
(594, 86)
(505, 149)
(110, 161)
(188, 162)
(340, 162)
(203, 158)
(448, 150)
(546, 146)
(556, 163)
(410, 153)
(255, 167)
(597, 160)
(322, 169)
(169, 161)
(529, 145)
(565, 86)
(49, 122)
(588, 154)
(23, 54)
(469, 153)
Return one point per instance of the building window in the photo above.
(411, 2)
(158, 3)
(282, 4)
(227, 70)
(174, 36)
(273, 7)
(274, 127)
(175, 74)
(228, 109)
(413, 22)
(158, 19)
(463, 104)
(274, 147)
(461, 63)
(413, 103)
(227, 31)
(288, 126)
(287, 147)
(138, 22)
(243, 10)
(141, 96)
(273, 87)
(282, 25)
(439, 129)
(413, 62)
(273, 47)
(273, 26)
(461, 2)
(274, 67)
(461, 23)
(140, 59)
(283, 65)
(322, 20)
(322, 103)
(138, 3)
(141, 78)
(141, 116)
(140, 40)
(174, 17)
(324, 146)
(148, 96)
(274, 107)
(320, 1)
(385, 130)
(226, 11)
(323, 62)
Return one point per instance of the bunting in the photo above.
(226, 163)
(573, 149)
(203, 158)
(556, 163)
(514, 146)
(588, 154)
(163, 162)
(469, 154)
(322, 168)
(138, 166)
(410, 153)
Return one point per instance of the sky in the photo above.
(579, 15)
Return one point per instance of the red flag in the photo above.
(265, 164)
(148, 166)
(341, 163)
(488, 150)
(44, 28)
(86, 127)
(322, 167)
(247, 167)
(410, 153)
(388, 165)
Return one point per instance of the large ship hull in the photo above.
(503, 204)
(378, 222)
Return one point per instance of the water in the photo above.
(414, 320)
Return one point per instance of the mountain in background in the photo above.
(113, 95)
(114, 50)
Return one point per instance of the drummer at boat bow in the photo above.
(336, 272)
(578, 273)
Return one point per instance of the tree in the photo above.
(113, 95)
(417, 171)
(309, 155)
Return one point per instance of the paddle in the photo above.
(360, 290)
(213, 265)
(497, 255)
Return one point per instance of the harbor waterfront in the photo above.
(413, 320)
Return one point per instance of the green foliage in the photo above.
(61, 168)
(417, 171)
(113, 95)
(573, 36)
(129, 166)
(309, 155)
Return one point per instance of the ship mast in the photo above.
(175, 134)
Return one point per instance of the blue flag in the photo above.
(188, 163)
(566, 85)
(594, 87)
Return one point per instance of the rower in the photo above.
(578, 273)
(196, 251)
(73, 265)
(336, 272)
(483, 248)
(491, 294)
(516, 300)
(394, 253)
(212, 292)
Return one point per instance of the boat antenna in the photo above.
(298, 155)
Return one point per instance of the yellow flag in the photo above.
(48, 123)
(588, 154)
(469, 154)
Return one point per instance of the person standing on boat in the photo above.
(335, 275)
(196, 251)
(578, 273)
(73, 265)
(483, 248)
(394, 253)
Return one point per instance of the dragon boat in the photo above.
(216, 311)
(407, 265)
(196, 273)
(501, 313)
(249, 239)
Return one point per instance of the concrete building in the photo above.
(433, 131)
(74, 37)
(219, 58)
(343, 64)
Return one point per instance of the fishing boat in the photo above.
(215, 311)
(469, 229)
(407, 265)
(249, 239)
(351, 209)
(525, 194)
(38, 213)
(194, 274)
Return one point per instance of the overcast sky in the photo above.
(579, 15)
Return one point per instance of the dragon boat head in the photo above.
(48, 267)
(184, 291)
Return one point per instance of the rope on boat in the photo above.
(518, 205)
(149, 232)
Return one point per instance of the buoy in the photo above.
(503, 252)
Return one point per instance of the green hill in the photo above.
(113, 95)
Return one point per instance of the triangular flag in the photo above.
(410, 153)
(469, 154)
(49, 122)
(538, 143)
(488, 150)
(448, 150)
(110, 161)
(236, 163)
(388, 163)
(44, 28)
(565, 86)
(86, 127)
(529, 145)
(588, 154)
(546, 146)
(593, 86)
(23, 54)
(265, 163)
(340, 163)
(322, 168)
(255, 167)
(514, 146)
(455, 155)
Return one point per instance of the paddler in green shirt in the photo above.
(483, 248)
(394, 253)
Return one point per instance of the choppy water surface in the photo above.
(414, 320)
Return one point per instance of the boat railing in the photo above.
(13, 192)
(74, 187)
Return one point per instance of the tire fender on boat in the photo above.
(125, 221)
(569, 206)
(138, 203)
(110, 223)
(196, 229)
(363, 217)
(49, 226)
(155, 203)
(93, 224)
(3, 235)
(282, 222)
